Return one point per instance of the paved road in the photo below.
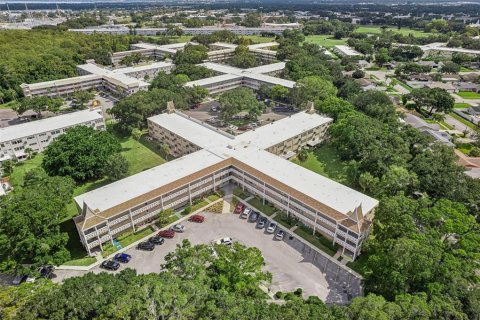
(291, 268)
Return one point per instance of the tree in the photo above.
(358, 74)
(137, 134)
(312, 89)
(191, 54)
(81, 153)
(398, 179)
(116, 167)
(252, 20)
(80, 98)
(431, 100)
(280, 93)
(166, 150)
(239, 99)
(450, 67)
(30, 223)
(461, 58)
(193, 72)
(382, 57)
(302, 155)
(39, 104)
(243, 59)
(7, 167)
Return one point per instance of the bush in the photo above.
(298, 292)
(475, 152)
(187, 210)
(279, 295)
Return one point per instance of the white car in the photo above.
(232, 127)
(179, 228)
(245, 213)
(271, 227)
(225, 241)
(280, 234)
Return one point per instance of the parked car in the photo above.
(245, 213)
(46, 271)
(226, 241)
(156, 240)
(21, 279)
(196, 218)
(110, 265)
(280, 234)
(166, 234)
(261, 224)
(239, 208)
(271, 227)
(254, 216)
(146, 245)
(122, 257)
(179, 228)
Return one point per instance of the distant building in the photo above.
(37, 135)
(346, 51)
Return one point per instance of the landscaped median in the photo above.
(305, 235)
(288, 222)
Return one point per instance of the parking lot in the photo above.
(290, 263)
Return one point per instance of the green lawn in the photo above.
(126, 240)
(286, 221)
(141, 155)
(465, 148)
(403, 31)
(359, 265)
(461, 105)
(23, 167)
(260, 39)
(258, 204)
(317, 240)
(82, 262)
(468, 95)
(240, 193)
(464, 121)
(7, 105)
(78, 255)
(406, 86)
(326, 41)
(326, 161)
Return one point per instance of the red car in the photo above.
(197, 218)
(239, 208)
(166, 234)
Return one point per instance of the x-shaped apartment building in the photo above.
(209, 158)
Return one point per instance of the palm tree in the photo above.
(29, 152)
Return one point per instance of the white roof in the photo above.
(222, 68)
(272, 67)
(263, 45)
(213, 80)
(314, 185)
(200, 134)
(271, 80)
(49, 124)
(62, 82)
(123, 190)
(247, 148)
(279, 131)
(346, 50)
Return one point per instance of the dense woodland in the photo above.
(420, 261)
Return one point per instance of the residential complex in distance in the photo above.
(123, 81)
(210, 158)
(231, 77)
(37, 135)
(129, 80)
(267, 28)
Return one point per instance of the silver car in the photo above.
(261, 224)
(280, 234)
(179, 228)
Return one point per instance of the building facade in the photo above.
(16, 142)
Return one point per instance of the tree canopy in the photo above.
(81, 153)
(240, 99)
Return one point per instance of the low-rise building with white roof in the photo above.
(209, 159)
(37, 135)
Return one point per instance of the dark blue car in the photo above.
(122, 257)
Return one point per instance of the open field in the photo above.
(326, 41)
(403, 31)
(325, 161)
